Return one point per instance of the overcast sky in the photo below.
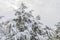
(49, 10)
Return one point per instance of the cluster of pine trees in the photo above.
(26, 27)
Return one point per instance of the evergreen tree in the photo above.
(57, 31)
(25, 27)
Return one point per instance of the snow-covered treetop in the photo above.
(25, 27)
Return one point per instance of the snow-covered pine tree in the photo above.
(56, 35)
(57, 31)
(24, 27)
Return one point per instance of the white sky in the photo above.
(47, 9)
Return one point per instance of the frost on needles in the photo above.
(25, 27)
